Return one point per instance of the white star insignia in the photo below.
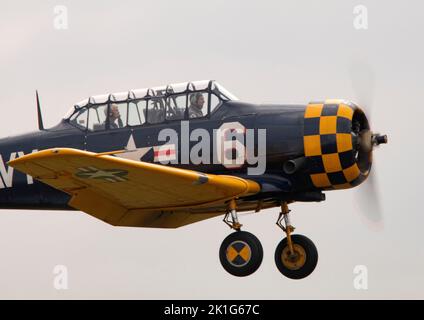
(133, 153)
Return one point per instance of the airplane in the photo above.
(169, 156)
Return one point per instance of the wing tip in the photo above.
(47, 153)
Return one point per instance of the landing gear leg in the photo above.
(234, 222)
(288, 228)
(241, 252)
(295, 256)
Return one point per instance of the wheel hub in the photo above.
(295, 260)
(238, 253)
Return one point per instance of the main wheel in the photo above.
(241, 253)
(302, 262)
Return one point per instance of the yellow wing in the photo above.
(132, 193)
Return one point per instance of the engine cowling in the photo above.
(334, 136)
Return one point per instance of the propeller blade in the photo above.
(363, 84)
(369, 202)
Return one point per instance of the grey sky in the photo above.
(262, 51)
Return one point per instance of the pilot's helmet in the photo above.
(194, 98)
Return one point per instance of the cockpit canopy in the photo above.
(148, 106)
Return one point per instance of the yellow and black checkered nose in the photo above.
(328, 144)
(239, 253)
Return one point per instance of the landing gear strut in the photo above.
(295, 256)
(234, 222)
(241, 252)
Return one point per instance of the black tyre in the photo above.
(302, 262)
(241, 253)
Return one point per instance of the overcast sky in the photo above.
(262, 51)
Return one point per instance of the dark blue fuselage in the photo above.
(284, 141)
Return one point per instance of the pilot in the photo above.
(196, 104)
(113, 116)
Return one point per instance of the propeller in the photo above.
(363, 80)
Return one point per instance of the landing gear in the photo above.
(241, 252)
(296, 256)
